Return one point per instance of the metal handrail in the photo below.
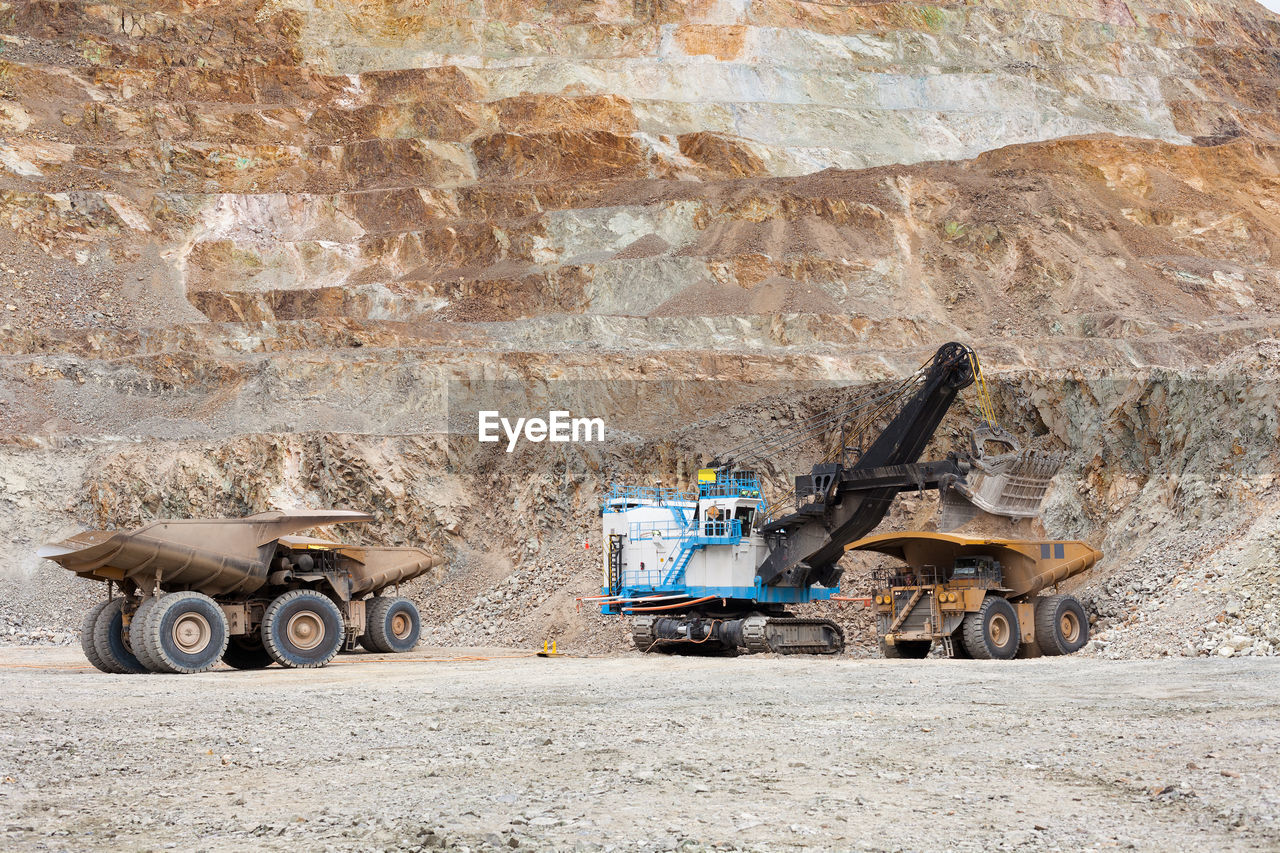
(645, 494)
(705, 532)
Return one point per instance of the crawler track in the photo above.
(790, 635)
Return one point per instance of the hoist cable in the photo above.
(985, 405)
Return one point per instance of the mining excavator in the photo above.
(184, 594)
(714, 570)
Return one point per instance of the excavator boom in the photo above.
(841, 504)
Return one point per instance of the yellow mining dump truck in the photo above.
(246, 591)
(978, 597)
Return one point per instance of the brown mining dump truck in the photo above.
(977, 597)
(241, 590)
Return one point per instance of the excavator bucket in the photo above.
(1010, 484)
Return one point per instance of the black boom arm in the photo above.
(843, 504)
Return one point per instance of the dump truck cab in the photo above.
(980, 571)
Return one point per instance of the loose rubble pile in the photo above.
(15, 632)
(1218, 599)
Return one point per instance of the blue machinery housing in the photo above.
(685, 523)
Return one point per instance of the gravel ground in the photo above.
(635, 753)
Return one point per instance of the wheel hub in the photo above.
(999, 630)
(401, 625)
(305, 630)
(1069, 627)
(191, 633)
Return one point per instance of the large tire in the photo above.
(185, 632)
(1062, 625)
(992, 632)
(138, 633)
(245, 651)
(109, 640)
(906, 649)
(392, 624)
(86, 636)
(302, 629)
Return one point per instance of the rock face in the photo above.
(247, 247)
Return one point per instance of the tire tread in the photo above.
(87, 642)
(155, 624)
(138, 634)
(1046, 616)
(378, 610)
(270, 640)
(974, 628)
(102, 631)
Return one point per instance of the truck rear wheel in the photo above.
(992, 632)
(109, 640)
(393, 624)
(1062, 626)
(245, 651)
(185, 632)
(906, 649)
(302, 629)
(86, 636)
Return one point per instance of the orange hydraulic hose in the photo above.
(670, 606)
(608, 599)
(710, 631)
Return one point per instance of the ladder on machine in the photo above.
(615, 563)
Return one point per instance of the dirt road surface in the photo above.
(642, 753)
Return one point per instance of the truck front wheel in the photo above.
(302, 629)
(109, 640)
(86, 636)
(1062, 626)
(992, 633)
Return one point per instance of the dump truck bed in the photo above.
(1030, 565)
(229, 556)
